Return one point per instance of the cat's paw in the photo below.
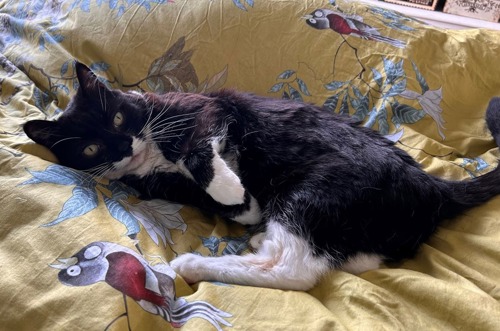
(189, 266)
(257, 240)
(225, 186)
(227, 189)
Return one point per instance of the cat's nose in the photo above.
(123, 146)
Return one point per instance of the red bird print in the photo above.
(152, 287)
(349, 25)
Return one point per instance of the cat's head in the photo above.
(100, 131)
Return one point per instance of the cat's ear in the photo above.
(88, 81)
(45, 133)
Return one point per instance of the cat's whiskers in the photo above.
(100, 173)
(170, 129)
(168, 120)
(178, 127)
(148, 121)
(64, 139)
(158, 116)
(100, 99)
(159, 137)
(97, 167)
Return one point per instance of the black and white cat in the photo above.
(328, 193)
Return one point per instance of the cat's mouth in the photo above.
(131, 164)
(137, 159)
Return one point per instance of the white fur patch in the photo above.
(283, 261)
(146, 158)
(256, 241)
(362, 262)
(226, 186)
(252, 216)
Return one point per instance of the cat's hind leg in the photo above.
(284, 260)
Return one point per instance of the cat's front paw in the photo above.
(227, 190)
(189, 266)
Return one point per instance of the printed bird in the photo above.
(350, 25)
(152, 287)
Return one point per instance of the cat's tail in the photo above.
(470, 193)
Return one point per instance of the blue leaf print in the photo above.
(344, 106)
(86, 195)
(393, 70)
(399, 26)
(239, 5)
(406, 114)
(99, 66)
(42, 99)
(64, 68)
(62, 87)
(396, 89)
(303, 87)
(332, 86)
(276, 87)
(123, 216)
(120, 191)
(481, 164)
(235, 246)
(377, 76)
(331, 102)
(360, 105)
(421, 80)
(56, 174)
(85, 5)
(249, 2)
(212, 243)
(294, 94)
(81, 202)
(383, 124)
(371, 119)
(56, 38)
(41, 43)
(286, 74)
(357, 92)
(121, 11)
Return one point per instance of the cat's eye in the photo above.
(91, 150)
(118, 119)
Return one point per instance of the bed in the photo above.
(424, 88)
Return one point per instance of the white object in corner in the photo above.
(437, 19)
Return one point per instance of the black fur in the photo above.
(345, 188)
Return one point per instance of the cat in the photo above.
(327, 192)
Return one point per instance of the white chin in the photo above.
(131, 165)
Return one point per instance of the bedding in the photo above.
(424, 88)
